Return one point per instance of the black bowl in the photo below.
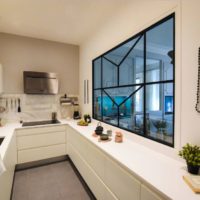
(104, 137)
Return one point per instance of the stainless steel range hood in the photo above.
(40, 83)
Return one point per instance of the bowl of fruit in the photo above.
(82, 123)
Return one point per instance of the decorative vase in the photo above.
(193, 169)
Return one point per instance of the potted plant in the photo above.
(161, 126)
(191, 153)
(87, 118)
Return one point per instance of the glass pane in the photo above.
(110, 110)
(160, 121)
(97, 73)
(109, 74)
(97, 104)
(153, 97)
(118, 54)
(160, 52)
(120, 94)
(132, 68)
(131, 113)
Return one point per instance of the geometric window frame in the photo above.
(139, 86)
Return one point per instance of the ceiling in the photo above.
(69, 21)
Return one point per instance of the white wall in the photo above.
(134, 18)
(18, 54)
(190, 123)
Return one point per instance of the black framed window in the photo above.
(133, 83)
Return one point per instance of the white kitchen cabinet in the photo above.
(96, 159)
(95, 183)
(41, 143)
(40, 140)
(6, 179)
(92, 180)
(35, 154)
(91, 154)
(109, 177)
(79, 143)
(120, 182)
(39, 130)
(149, 194)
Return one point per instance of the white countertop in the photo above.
(162, 172)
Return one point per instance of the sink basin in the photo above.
(1, 140)
(36, 123)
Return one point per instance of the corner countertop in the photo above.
(162, 172)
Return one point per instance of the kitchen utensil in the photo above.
(54, 116)
(99, 129)
(11, 104)
(2, 109)
(76, 114)
(15, 104)
(19, 107)
(6, 105)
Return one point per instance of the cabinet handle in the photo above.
(87, 91)
(84, 91)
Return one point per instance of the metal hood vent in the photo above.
(40, 83)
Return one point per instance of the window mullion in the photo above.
(101, 89)
(144, 96)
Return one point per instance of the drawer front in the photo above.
(78, 142)
(148, 194)
(39, 140)
(88, 151)
(96, 160)
(39, 130)
(41, 153)
(92, 180)
(120, 182)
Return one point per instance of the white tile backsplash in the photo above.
(33, 107)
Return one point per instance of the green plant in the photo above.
(191, 153)
(160, 124)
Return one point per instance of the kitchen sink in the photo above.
(1, 140)
(36, 123)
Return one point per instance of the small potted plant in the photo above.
(87, 118)
(191, 153)
(161, 126)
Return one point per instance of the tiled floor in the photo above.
(51, 182)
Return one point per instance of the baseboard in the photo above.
(40, 163)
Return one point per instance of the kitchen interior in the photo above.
(98, 101)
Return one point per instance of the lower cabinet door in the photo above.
(6, 179)
(148, 194)
(96, 185)
(88, 175)
(122, 184)
(34, 154)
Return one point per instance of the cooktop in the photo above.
(36, 123)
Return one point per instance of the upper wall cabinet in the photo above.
(1, 79)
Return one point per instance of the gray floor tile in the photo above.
(51, 182)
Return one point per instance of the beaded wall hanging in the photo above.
(197, 107)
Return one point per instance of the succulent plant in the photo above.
(191, 153)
